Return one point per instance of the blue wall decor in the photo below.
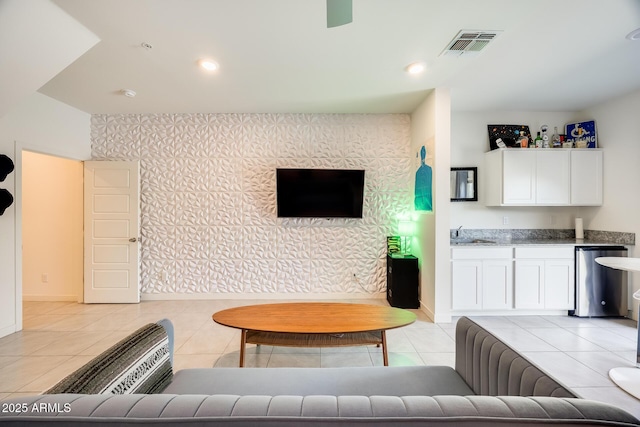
(423, 200)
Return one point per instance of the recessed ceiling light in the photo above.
(129, 93)
(416, 68)
(634, 35)
(208, 64)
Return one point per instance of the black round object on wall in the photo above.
(6, 166)
(6, 199)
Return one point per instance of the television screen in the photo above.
(319, 193)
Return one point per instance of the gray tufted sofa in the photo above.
(491, 385)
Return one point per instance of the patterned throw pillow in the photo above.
(137, 364)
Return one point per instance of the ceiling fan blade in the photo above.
(339, 12)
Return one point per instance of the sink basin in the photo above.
(464, 241)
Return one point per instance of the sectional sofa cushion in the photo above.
(140, 363)
(369, 381)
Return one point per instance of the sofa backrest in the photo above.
(492, 368)
(139, 363)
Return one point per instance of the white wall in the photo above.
(469, 142)
(432, 120)
(615, 125)
(52, 228)
(423, 128)
(39, 124)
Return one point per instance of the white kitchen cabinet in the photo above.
(466, 284)
(544, 278)
(543, 177)
(586, 177)
(482, 278)
(497, 284)
(529, 284)
(552, 177)
(559, 288)
(518, 177)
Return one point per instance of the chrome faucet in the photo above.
(458, 231)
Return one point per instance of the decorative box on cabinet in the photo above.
(402, 281)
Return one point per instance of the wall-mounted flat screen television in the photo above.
(319, 193)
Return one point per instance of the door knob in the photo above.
(133, 239)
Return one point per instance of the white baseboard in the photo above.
(426, 311)
(435, 318)
(8, 330)
(262, 296)
(73, 298)
(519, 312)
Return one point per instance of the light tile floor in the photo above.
(58, 337)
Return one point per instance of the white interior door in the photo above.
(111, 230)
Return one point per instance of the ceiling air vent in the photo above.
(469, 43)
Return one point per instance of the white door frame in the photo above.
(19, 147)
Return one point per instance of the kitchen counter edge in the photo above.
(536, 242)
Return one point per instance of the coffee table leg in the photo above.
(385, 356)
(243, 343)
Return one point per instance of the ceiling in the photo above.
(279, 56)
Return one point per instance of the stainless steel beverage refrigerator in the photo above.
(600, 291)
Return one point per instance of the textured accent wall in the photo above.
(208, 211)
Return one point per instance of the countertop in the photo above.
(530, 242)
(537, 237)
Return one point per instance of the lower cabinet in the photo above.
(482, 279)
(466, 284)
(544, 278)
(508, 278)
(497, 284)
(529, 284)
(559, 284)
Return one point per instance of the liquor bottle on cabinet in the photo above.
(538, 141)
(555, 138)
(523, 141)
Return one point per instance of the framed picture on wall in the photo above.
(507, 134)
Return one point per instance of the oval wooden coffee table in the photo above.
(311, 324)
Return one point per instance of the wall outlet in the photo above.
(355, 278)
(505, 220)
(45, 278)
(552, 219)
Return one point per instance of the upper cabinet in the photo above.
(543, 177)
(552, 177)
(586, 177)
